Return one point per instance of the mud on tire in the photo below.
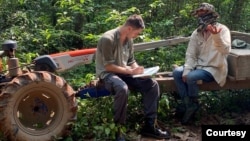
(36, 106)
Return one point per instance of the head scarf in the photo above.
(209, 17)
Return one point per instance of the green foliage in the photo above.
(236, 101)
(79, 76)
(164, 107)
(97, 124)
(93, 122)
(163, 57)
(26, 58)
(51, 26)
(2, 138)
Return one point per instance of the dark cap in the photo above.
(207, 7)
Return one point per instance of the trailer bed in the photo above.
(167, 84)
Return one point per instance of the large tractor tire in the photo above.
(36, 106)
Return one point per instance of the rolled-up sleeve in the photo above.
(106, 47)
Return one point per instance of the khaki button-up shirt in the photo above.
(209, 53)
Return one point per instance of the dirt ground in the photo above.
(192, 132)
(181, 133)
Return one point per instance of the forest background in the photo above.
(51, 26)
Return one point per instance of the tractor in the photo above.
(35, 103)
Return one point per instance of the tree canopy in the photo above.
(48, 26)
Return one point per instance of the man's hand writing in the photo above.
(138, 70)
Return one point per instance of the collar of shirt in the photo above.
(206, 34)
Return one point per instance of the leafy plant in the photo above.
(46, 27)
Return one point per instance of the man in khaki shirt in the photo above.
(115, 65)
(206, 58)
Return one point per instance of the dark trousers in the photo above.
(119, 85)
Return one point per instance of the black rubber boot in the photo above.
(192, 106)
(149, 130)
(180, 110)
